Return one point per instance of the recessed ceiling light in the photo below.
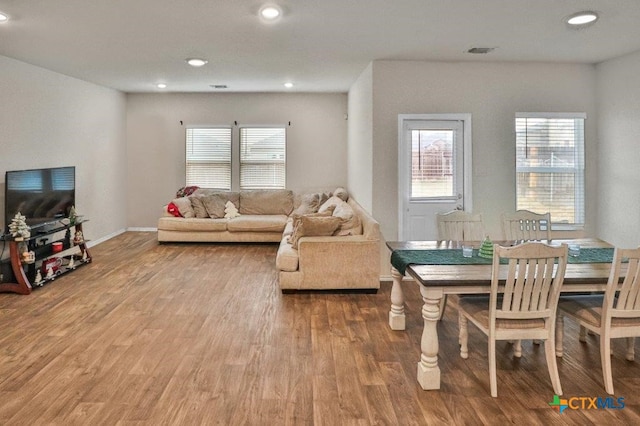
(270, 12)
(161, 85)
(3, 18)
(288, 85)
(197, 62)
(582, 18)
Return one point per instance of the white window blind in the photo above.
(209, 157)
(550, 165)
(262, 157)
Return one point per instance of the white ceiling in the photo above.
(319, 45)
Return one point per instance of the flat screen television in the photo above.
(43, 196)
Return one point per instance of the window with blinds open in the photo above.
(550, 165)
(209, 157)
(262, 157)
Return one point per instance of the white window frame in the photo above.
(243, 163)
(577, 169)
(189, 181)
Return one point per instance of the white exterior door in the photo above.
(434, 171)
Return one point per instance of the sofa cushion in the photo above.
(214, 204)
(198, 206)
(184, 206)
(287, 257)
(350, 223)
(257, 223)
(266, 202)
(313, 226)
(192, 224)
(310, 203)
(288, 229)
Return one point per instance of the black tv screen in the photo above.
(41, 195)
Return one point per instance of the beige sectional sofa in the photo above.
(309, 257)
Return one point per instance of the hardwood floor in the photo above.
(191, 334)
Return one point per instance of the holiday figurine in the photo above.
(19, 228)
(50, 273)
(38, 279)
(78, 238)
(71, 264)
(486, 249)
(72, 215)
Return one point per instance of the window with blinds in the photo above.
(209, 157)
(550, 165)
(262, 157)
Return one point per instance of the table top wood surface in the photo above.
(480, 275)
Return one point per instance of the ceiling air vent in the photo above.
(218, 86)
(481, 50)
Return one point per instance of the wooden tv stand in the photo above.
(72, 256)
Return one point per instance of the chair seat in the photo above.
(588, 309)
(478, 308)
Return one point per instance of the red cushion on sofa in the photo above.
(173, 209)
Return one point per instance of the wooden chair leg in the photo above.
(442, 306)
(552, 364)
(493, 380)
(631, 341)
(463, 336)
(605, 357)
(559, 335)
(517, 348)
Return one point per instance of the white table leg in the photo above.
(428, 370)
(396, 314)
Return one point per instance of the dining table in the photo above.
(440, 268)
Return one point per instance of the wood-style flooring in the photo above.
(200, 334)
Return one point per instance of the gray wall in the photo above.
(618, 93)
(492, 93)
(316, 140)
(51, 120)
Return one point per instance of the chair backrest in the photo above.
(535, 272)
(457, 225)
(625, 302)
(524, 225)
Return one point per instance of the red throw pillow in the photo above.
(173, 209)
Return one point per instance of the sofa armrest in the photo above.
(340, 262)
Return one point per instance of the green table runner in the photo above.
(400, 259)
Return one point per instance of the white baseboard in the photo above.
(139, 229)
(105, 238)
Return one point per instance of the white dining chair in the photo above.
(458, 226)
(614, 314)
(524, 309)
(524, 225)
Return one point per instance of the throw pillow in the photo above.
(313, 226)
(184, 207)
(185, 191)
(341, 193)
(310, 203)
(350, 223)
(198, 207)
(214, 204)
(331, 202)
(230, 210)
(173, 209)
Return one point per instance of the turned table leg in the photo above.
(396, 314)
(428, 370)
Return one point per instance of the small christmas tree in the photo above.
(18, 227)
(72, 215)
(486, 249)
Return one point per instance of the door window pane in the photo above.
(432, 164)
